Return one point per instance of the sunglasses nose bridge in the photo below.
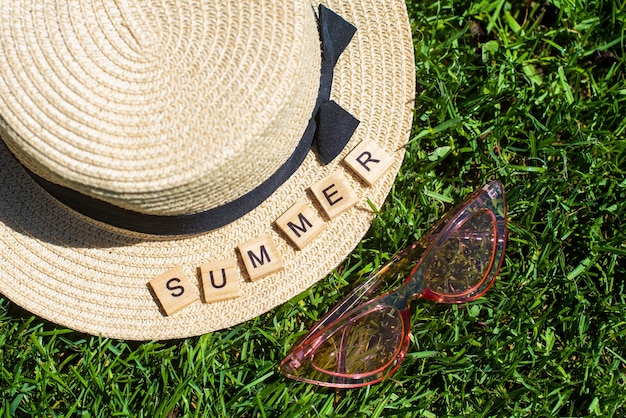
(413, 288)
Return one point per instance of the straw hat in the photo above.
(158, 179)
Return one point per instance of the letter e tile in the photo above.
(174, 290)
(220, 281)
(369, 161)
(260, 257)
(334, 194)
(301, 224)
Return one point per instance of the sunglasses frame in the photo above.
(358, 305)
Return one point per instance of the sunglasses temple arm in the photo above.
(396, 265)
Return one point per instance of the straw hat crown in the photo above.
(164, 108)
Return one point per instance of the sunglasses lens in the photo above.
(465, 258)
(368, 344)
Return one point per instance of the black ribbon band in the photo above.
(330, 128)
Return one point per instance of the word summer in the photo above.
(301, 224)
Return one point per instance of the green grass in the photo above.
(533, 95)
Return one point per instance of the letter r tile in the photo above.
(260, 257)
(174, 290)
(220, 281)
(369, 161)
(301, 224)
(334, 194)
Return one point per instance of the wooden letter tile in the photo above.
(301, 224)
(260, 257)
(220, 281)
(174, 290)
(369, 161)
(334, 194)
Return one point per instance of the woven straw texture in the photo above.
(95, 85)
(75, 123)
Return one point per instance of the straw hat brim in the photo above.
(94, 278)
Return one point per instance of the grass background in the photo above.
(532, 93)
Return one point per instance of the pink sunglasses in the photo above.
(362, 341)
